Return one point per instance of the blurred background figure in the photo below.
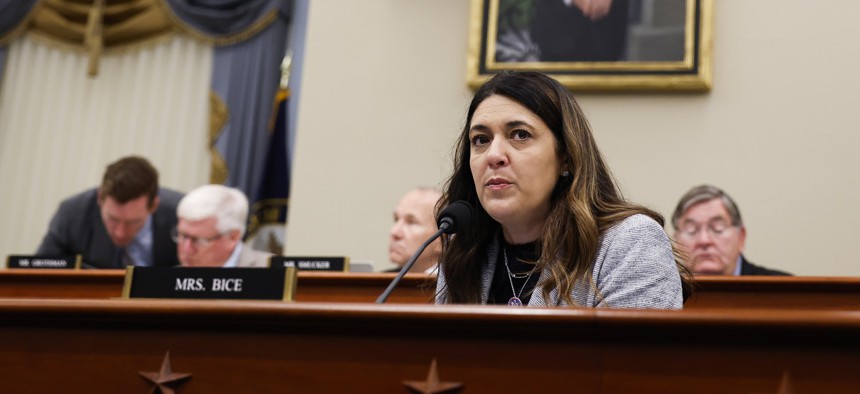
(414, 223)
(125, 221)
(212, 221)
(708, 226)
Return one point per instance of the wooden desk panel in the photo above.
(312, 286)
(76, 346)
(776, 292)
(36, 283)
(362, 287)
(831, 293)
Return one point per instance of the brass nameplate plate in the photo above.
(337, 264)
(210, 283)
(43, 262)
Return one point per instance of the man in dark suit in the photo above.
(580, 31)
(125, 221)
(708, 225)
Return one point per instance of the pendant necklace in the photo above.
(515, 300)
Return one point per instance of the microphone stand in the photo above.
(410, 263)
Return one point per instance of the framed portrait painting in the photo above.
(595, 45)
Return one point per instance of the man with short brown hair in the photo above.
(125, 221)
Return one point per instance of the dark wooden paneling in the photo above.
(829, 293)
(312, 286)
(776, 292)
(77, 346)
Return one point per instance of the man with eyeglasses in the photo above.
(125, 221)
(211, 225)
(709, 228)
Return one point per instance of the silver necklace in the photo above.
(520, 275)
(515, 300)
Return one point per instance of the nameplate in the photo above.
(43, 262)
(210, 283)
(338, 264)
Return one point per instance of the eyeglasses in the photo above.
(716, 230)
(198, 242)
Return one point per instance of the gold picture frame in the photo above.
(681, 62)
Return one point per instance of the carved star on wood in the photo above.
(163, 379)
(433, 385)
(785, 386)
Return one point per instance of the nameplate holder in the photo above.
(43, 262)
(335, 264)
(210, 283)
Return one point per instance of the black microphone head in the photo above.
(455, 216)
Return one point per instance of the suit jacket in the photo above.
(634, 268)
(564, 34)
(253, 258)
(77, 228)
(748, 268)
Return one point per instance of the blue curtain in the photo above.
(218, 18)
(246, 75)
(2, 63)
(12, 14)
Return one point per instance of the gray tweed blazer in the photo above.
(634, 268)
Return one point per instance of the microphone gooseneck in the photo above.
(453, 218)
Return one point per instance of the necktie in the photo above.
(125, 258)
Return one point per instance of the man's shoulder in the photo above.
(84, 196)
(260, 253)
(748, 268)
(79, 205)
(254, 258)
(169, 197)
(634, 228)
(165, 215)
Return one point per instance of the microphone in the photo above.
(453, 218)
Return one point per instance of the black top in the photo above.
(521, 260)
(748, 268)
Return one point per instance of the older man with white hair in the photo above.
(211, 225)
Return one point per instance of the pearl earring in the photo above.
(565, 173)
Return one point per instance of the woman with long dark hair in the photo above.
(550, 226)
